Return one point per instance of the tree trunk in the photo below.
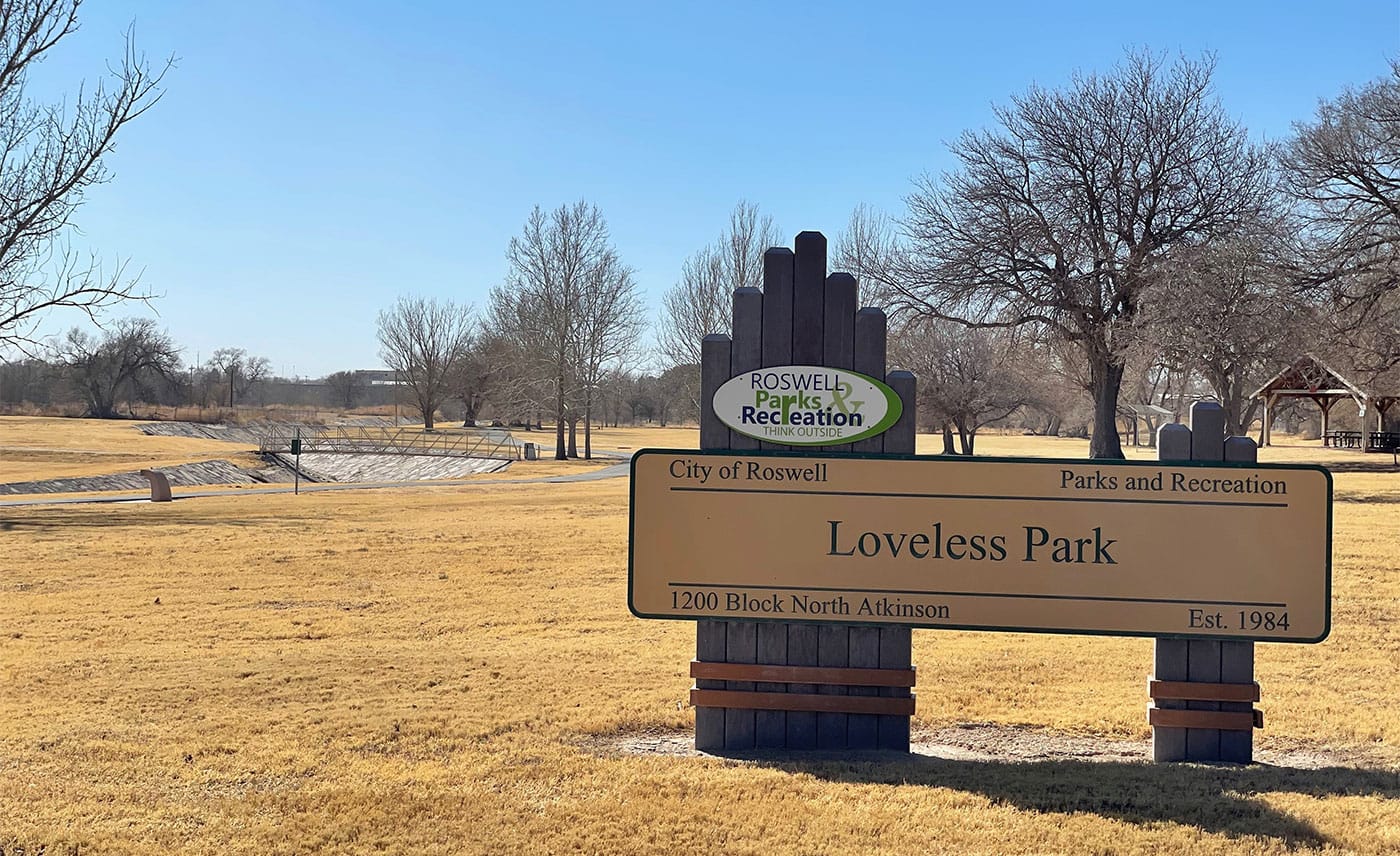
(1219, 381)
(948, 447)
(573, 437)
(1105, 376)
(560, 452)
(588, 426)
(967, 438)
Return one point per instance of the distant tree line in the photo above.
(131, 362)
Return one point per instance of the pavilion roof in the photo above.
(1145, 410)
(1310, 376)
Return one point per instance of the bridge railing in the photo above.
(493, 444)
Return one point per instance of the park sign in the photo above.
(1161, 549)
(806, 405)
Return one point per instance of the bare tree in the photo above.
(968, 377)
(420, 338)
(538, 309)
(701, 301)
(664, 398)
(481, 373)
(1228, 311)
(241, 371)
(345, 388)
(103, 368)
(865, 248)
(1058, 218)
(517, 394)
(1343, 170)
(611, 318)
(28, 379)
(50, 156)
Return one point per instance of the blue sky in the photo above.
(313, 160)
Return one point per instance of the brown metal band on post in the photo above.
(802, 702)
(1191, 691)
(803, 674)
(1210, 720)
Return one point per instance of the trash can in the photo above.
(532, 452)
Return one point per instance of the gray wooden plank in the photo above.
(1173, 442)
(1169, 655)
(777, 311)
(805, 348)
(1237, 657)
(895, 653)
(1207, 431)
(770, 726)
(714, 371)
(838, 329)
(741, 646)
(802, 651)
(710, 635)
(1203, 664)
(709, 721)
(808, 297)
(868, 358)
(1203, 655)
(746, 351)
(896, 642)
(838, 351)
(839, 321)
(864, 652)
(1237, 667)
(1169, 664)
(900, 438)
(833, 649)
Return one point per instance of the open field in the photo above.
(445, 670)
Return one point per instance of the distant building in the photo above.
(379, 377)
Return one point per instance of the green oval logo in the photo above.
(807, 405)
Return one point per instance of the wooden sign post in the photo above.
(806, 563)
(829, 686)
(1202, 689)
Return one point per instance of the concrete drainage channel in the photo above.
(332, 467)
(277, 469)
(184, 475)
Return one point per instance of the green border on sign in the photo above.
(744, 453)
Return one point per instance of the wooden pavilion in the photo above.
(1151, 414)
(1309, 377)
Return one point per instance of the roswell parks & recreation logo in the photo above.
(807, 405)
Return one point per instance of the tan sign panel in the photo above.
(1240, 552)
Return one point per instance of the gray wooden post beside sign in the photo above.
(1203, 689)
(846, 686)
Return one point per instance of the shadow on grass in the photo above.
(1374, 463)
(1370, 499)
(1216, 799)
(64, 520)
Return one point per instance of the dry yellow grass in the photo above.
(423, 670)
